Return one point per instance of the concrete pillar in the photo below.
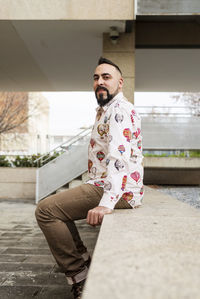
(123, 54)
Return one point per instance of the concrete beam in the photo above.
(66, 10)
(168, 7)
(168, 32)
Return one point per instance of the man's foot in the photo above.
(88, 262)
(77, 289)
(57, 269)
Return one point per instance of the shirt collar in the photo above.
(118, 96)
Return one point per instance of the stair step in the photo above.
(85, 177)
(75, 183)
(61, 189)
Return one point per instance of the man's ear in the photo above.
(121, 82)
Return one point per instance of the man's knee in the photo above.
(41, 209)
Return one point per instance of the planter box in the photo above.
(17, 183)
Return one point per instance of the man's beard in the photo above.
(101, 101)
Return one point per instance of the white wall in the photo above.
(167, 70)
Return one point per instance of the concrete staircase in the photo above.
(74, 183)
(70, 165)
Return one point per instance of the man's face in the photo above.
(107, 83)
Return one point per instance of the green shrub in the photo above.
(195, 153)
(27, 161)
(4, 162)
(184, 154)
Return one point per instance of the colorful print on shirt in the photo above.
(100, 156)
(115, 153)
(121, 149)
(127, 134)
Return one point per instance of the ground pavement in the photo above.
(26, 264)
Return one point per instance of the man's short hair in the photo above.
(107, 61)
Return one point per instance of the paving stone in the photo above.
(7, 229)
(12, 258)
(7, 243)
(56, 293)
(2, 279)
(23, 226)
(13, 267)
(43, 245)
(45, 259)
(29, 278)
(19, 292)
(37, 234)
(26, 251)
(8, 238)
(14, 234)
(21, 244)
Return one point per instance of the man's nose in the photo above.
(100, 81)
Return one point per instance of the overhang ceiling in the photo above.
(62, 55)
(50, 55)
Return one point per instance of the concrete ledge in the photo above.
(171, 162)
(149, 253)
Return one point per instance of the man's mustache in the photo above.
(100, 88)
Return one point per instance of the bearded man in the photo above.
(115, 177)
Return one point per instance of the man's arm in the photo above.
(121, 130)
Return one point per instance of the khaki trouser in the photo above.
(56, 214)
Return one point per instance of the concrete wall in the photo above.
(167, 70)
(171, 171)
(67, 10)
(168, 7)
(167, 132)
(17, 183)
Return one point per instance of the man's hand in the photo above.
(95, 216)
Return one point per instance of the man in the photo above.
(115, 172)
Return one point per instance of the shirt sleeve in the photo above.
(121, 133)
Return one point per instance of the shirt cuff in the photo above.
(107, 202)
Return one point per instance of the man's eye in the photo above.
(106, 77)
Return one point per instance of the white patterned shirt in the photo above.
(115, 153)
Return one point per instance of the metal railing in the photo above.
(63, 146)
(178, 111)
